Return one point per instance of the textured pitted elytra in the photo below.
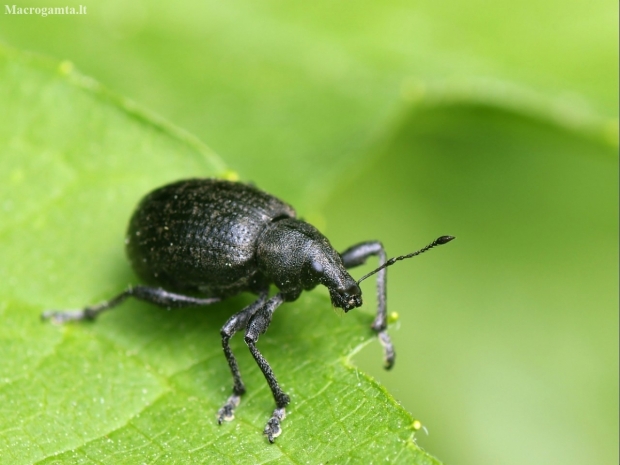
(201, 235)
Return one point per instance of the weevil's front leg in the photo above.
(356, 256)
(257, 326)
(235, 323)
(153, 295)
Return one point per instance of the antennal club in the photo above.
(439, 241)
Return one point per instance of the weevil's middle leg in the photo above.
(357, 255)
(235, 323)
(257, 326)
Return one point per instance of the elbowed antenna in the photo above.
(439, 241)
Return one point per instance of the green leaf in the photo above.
(143, 384)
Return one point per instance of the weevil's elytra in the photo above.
(216, 239)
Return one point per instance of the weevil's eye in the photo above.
(313, 274)
(316, 268)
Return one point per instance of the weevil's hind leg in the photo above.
(257, 326)
(235, 323)
(356, 256)
(153, 295)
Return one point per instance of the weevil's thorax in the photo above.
(295, 256)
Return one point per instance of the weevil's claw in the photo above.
(227, 412)
(61, 317)
(388, 349)
(272, 429)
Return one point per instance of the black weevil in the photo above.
(216, 239)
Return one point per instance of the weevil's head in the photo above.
(324, 266)
(296, 256)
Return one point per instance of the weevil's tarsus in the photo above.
(227, 412)
(87, 313)
(272, 428)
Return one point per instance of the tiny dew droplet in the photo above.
(393, 317)
(65, 67)
(230, 175)
(417, 424)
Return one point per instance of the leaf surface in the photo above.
(142, 384)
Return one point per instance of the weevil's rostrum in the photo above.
(215, 239)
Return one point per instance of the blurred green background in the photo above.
(401, 121)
